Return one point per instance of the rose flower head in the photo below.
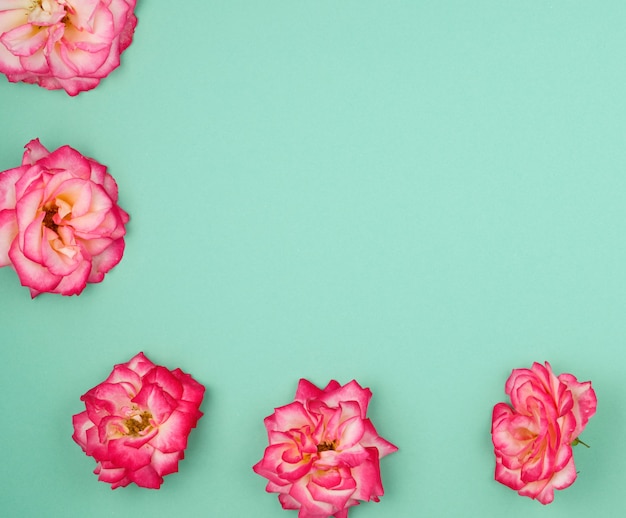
(137, 422)
(323, 454)
(69, 44)
(60, 224)
(533, 437)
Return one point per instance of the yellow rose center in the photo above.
(43, 13)
(138, 423)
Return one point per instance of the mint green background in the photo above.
(421, 195)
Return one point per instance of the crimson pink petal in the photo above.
(370, 485)
(193, 391)
(291, 416)
(140, 364)
(32, 274)
(24, 40)
(306, 390)
(115, 476)
(66, 158)
(100, 176)
(173, 433)
(34, 151)
(586, 401)
(94, 447)
(165, 463)
(8, 180)
(74, 283)
(128, 457)
(159, 403)
(81, 423)
(287, 501)
(127, 377)
(351, 391)
(350, 432)
(372, 439)
(506, 476)
(166, 380)
(310, 507)
(8, 232)
(146, 477)
(32, 240)
(338, 495)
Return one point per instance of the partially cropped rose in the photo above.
(533, 439)
(60, 225)
(137, 422)
(323, 454)
(69, 44)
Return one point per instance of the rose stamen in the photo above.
(48, 219)
(326, 446)
(136, 426)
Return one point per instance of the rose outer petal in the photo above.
(146, 477)
(32, 274)
(165, 463)
(8, 232)
(81, 423)
(74, 283)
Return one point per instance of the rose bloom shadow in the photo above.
(59, 44)
(533, 437)
(323, 454)
(60, 224)
(137, 422)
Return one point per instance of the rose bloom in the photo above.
(533, 440)
(60, 225)
(69, 44)
(137, 422)
(323, 454)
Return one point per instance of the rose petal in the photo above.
(24, 40)
(32, 274)
(173, 433)
(8, 232)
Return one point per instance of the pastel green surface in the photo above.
(420, 195)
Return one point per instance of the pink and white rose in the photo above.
(323, 454)
(60, 224)
(137, 422)
(69, 44)
(533, 437)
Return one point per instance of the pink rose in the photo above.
(137, 422)
(533, 440)
(323, 454)
(69, 44)
(60, 225)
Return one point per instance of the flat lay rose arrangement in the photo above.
(62, 228)
(324, 453)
